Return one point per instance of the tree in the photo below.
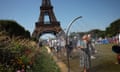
(113, 29)
(97, 33)
(12, 28)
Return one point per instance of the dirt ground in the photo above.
(61, 64)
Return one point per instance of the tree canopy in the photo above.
(12, 28)
(114, 28)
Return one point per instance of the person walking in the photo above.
(119, 39)
(74, 42)
(62, 45)
(85, 62)
(91, 44)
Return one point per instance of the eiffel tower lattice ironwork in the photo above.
(51, 25)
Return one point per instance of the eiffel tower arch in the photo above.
(51, 26)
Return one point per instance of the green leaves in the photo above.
(12, 28)
(45, 63)
(114, 28)
(25, 59)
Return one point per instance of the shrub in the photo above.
(45, 63)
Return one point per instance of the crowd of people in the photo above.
(85, 45)
(107, 40)
(57, 46)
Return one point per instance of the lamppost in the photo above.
(67, 41)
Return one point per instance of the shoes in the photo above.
(93, 57)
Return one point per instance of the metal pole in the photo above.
(67, 43)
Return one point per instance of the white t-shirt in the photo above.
(119, 37)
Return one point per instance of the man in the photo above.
(91, 44)
(119, 38)
(74, 42)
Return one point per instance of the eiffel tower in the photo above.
(52, 26)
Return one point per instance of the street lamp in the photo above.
(67, 43)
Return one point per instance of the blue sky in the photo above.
(97, 14)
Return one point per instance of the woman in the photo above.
(84, 53)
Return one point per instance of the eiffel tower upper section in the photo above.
(47, 10)
(43, 26)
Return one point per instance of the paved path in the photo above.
(61, 65)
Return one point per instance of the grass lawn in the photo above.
(104, 62)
